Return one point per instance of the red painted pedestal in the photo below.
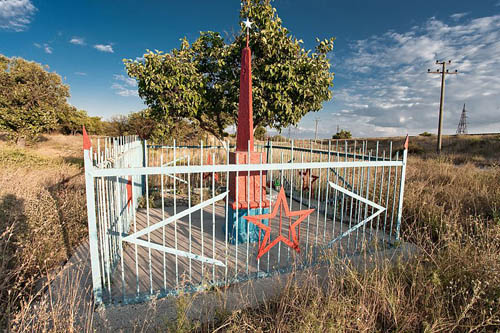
(251, 190)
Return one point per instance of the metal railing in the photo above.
(161, 220)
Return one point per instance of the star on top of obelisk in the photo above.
(248, 25)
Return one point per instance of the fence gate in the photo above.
(165, 219)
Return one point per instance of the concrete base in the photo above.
(75, 282)
(203, 307)
(238, 226)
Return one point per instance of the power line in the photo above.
(443, 73)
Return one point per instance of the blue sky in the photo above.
(381, 55)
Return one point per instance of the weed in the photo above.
(450, 211)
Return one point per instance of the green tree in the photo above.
(30, 97)
(260, 133)
(118, 125)
(200, 81)
(342, 134)
(141, 124)
(94, 125)
(70, 120)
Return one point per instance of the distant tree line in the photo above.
(34, 101)
(143, 125)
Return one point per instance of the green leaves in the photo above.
(200, 82)
(30, 98)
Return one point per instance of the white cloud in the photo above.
(77, 41)
(16, 15)
(104, 48)
(458, 16)
(81, 73)
(389, 92)
(47, 49)
(127, 80)
(124, 86)
(122, 90)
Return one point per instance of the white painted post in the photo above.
(92, 222)
(402, 188)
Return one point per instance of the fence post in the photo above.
(144, 164)
(267, 151)
(92, 223)
(402, 188)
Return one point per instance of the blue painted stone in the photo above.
(237, 232)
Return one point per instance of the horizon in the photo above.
(381, 86)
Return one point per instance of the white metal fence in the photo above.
(161, 222)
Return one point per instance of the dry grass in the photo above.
(42, 214)
(453, 214)
(451, 211)
(63, 307)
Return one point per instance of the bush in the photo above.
(343, 134)
(260, 133)
(413, 148)
(278, 138)
(425, 134)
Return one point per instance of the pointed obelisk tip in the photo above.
(406, 142)
(244, 132)
(86, 140)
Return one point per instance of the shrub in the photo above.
(343, 134)
(260, 133)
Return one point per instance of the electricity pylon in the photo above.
(462, 124)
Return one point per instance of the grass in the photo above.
(453, 285)
(451, 212)
(42, 214)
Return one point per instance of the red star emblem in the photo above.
(293, 236)
(306, 178)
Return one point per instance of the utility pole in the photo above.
(316, 130)
(443, 73)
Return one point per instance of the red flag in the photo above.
(86, 140)
(129, 191)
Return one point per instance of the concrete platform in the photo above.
(204, 306)
(138, 279)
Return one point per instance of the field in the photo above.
(451, 212)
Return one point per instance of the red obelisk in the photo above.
(251, 195)
(244, 139)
